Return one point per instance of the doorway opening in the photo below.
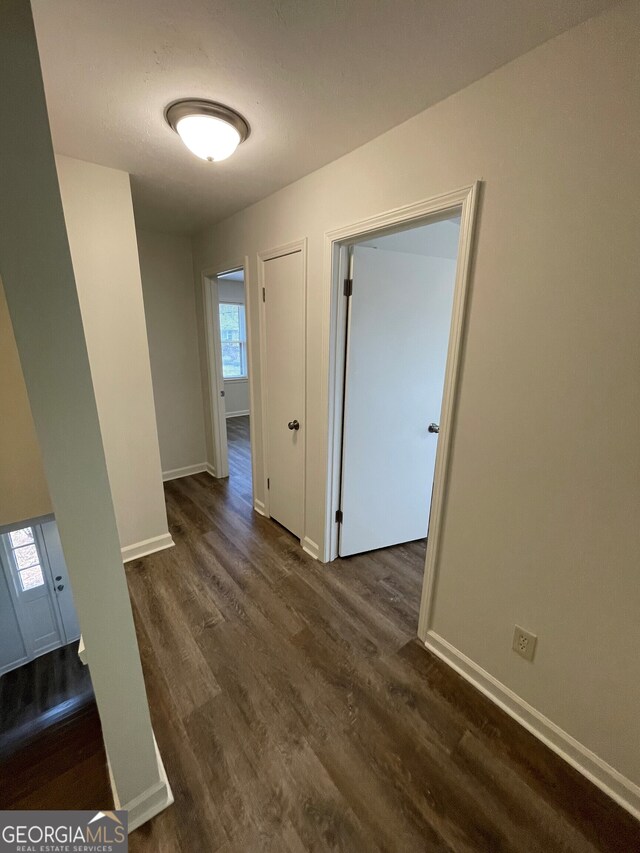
(400, 298)
(232, 316)
(399, 293)
(230, 381)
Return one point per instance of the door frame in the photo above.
(263, 257)
(215, 379)
(337, 243)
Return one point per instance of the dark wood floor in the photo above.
(51, 749)
(295, 711)
(239, 455)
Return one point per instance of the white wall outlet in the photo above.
(524, 643)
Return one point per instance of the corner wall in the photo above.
(166, 265)
(99, 219)
(541, 518)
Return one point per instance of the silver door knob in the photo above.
(293, 425)
(434, 427)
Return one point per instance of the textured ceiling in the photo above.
(314, 78)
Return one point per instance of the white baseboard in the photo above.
(211, 471)
(147, 546)
(82, 651)
(607, 778)
(187, 471)
(236, 414)
(310, 547)
(260, 508)
(151, 802)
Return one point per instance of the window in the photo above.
(23, 546)
(233, 336)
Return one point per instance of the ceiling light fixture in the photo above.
(211, 131)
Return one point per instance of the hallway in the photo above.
(295, 711)
(239, 449)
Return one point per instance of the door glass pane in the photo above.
(27, 559)
(26, 556)
(31, 578)
(21, 537)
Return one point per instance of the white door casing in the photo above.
(462, 202)
(219, 464)
(283, 372)
(397, 339)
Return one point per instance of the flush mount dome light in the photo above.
(211, 131)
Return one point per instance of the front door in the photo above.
(37, 608)
(54, 558)
(284, 374)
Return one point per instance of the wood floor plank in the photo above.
(296, 711)
(188, 676)
(51, 749)
(531, 820)
(35, 696)
(192, 596)
(63, 767)
(191, 816)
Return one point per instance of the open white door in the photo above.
(397, 340)
(284, 297)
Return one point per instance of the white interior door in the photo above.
(397, 339)
(284, 391)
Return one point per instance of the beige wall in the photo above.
(236, 397)
(99, 218)
(541, 521)
(23, 487)
(169, 303)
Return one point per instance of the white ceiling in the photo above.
(234, 275)
(314, 78)
(433, 240)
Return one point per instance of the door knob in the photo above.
(60, 587)
(434, 427)
(293, 425)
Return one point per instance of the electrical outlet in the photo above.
(524, 643)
